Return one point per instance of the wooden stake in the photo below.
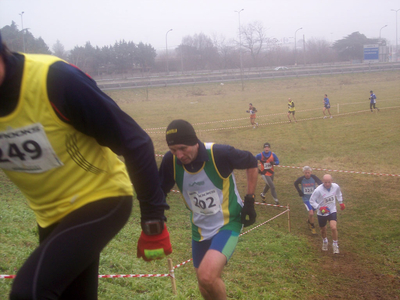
(171, 272)
(288, 216)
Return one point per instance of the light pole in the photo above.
(23, 37)
(380, 30)
(166, 48)
(295, 49)
(240, 48)
(396, 10)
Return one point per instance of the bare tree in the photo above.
(228, 56)
(253, 38)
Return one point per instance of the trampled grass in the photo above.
(269, 262)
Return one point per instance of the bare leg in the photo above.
(323, 232)
(332, 225)
(311, 216)
(209, 276)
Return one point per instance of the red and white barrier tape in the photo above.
(267, 204)
(263, 223)
(343, 171)
(134, 275)
(108, 276)
(328, 170)
(182, 263)
(185, 262)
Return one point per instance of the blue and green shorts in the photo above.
(224, 241)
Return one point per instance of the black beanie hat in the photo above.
(181, 132)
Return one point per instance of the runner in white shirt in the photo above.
(323, 200)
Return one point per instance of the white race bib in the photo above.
(308, 190)
(27, 149)
(330, 199)
(205, 203)
(267, 166)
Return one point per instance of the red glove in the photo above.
(324, 209)
(152, 247)
(342, 206)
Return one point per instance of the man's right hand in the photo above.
(324, 209)
(152, 247)
(301, 194)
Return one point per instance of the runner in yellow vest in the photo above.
(291, 110)
(59, 141)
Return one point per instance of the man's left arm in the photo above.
(338, 193)
(252, 175)
(276, 159)
(339, 197)
(227, 158)
(79, 102)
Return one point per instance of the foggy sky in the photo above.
(103, 22)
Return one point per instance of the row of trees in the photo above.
(196, 52)
(20, 40)
(123, 57)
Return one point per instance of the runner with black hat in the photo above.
(204, 175)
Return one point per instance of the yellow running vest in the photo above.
(57, 168)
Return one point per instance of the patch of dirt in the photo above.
(350, 278)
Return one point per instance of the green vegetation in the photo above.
(269, 262)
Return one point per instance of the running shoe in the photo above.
(335, 249)
(312, 228)
(324, 246)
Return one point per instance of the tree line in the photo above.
(195, 53)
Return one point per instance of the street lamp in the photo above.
(23, 37)
(380, 30)
(396, 10)
(240, 48)
(295, 49)
(166, 48)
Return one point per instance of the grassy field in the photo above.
(269, 262)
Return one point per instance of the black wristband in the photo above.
(152, 227)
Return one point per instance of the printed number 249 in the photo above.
(29, 147)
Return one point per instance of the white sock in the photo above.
(325, 240)
(335, 243)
